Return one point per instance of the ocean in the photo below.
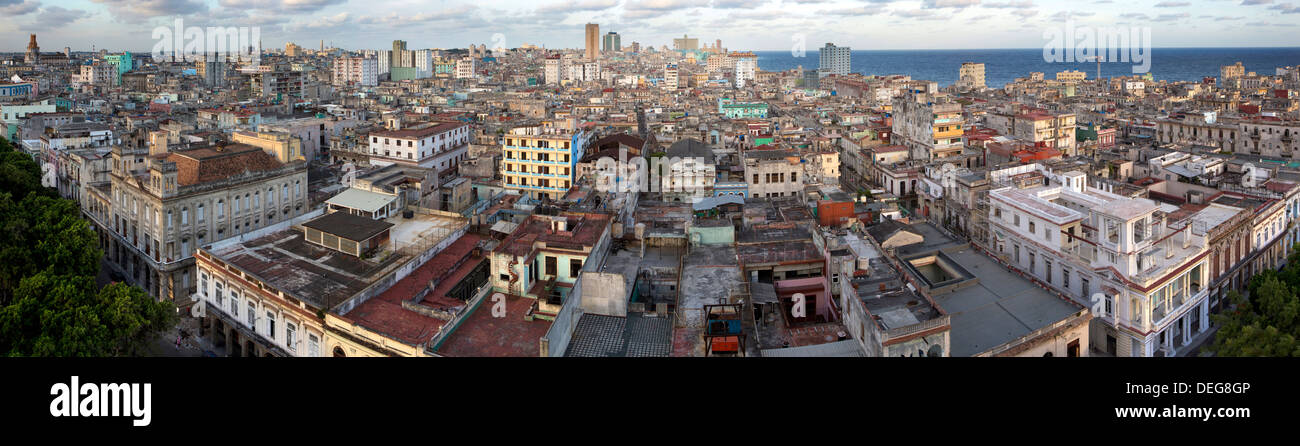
(1005, 65)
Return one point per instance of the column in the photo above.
(1205, 315)
(1186, 322)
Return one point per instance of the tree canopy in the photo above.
(1268, 323)
(49, 257)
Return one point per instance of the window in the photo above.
(250, 313)
(575, 266)
(1017, 220)
(185, 216)
(551, 266)
(200, 214)
(1048, 264)
(290, 337)
(218, 293)
(270, 325)
(234, 304)
(313, 345)
(203, 283)
(1065, 279)
(1031, 228)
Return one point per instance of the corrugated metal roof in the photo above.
(361, 199)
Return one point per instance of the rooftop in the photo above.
(1001, 308)
(348, 226)
(481, 334)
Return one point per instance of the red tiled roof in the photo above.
(197, 166)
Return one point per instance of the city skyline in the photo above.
(862, 25)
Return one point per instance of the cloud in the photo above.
(577, 5)
(1255, 2)
(1286, 8)
(1065, 15)
(1013, 4)
(14, 8)
(914, 13)
(54, 17)
(1170, 17)
(1025, 13)
(1135, 15)
(1172, 4)
(645, 9)
(959, 4)
(1226, 18)
(856, 12)
(299, 6)
(135, 11)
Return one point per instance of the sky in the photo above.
(755, 25)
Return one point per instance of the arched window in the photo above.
(338, 352)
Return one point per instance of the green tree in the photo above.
(60, 315)
(49, 257)
(1266, 324)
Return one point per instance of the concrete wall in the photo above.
(605, 293)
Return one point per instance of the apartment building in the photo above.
(555, 69)
(970, 77)
(166, 205)
(773, 173)
(440, 145)
(834, 60)
(746, 64)
(1071, 76)
(1043, 129)
(930, 127)
(671, 81)
(543, 257)
(541, 161)
(1110, 253)
(356, 71)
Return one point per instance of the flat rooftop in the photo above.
(1002, 307)
(482, 335)
(319, 276)
(348, 226)
(636, 335)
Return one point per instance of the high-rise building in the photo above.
(746, 64)
(212, 69)
(670, 77)
(686, 43)
(292, 50)
(356, 71)
(593, 41)
(400, 57)
(465, 68)
(1226, 72)
(613, 43)
(554, 69)
(835, 59)
(970, 77)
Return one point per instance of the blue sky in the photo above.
(741, 24)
